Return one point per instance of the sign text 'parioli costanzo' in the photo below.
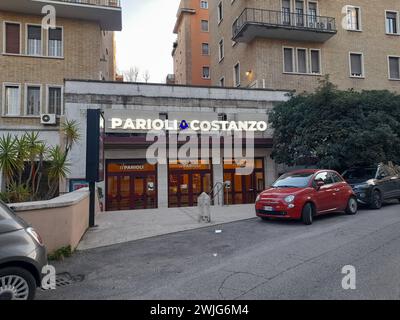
(194, 125)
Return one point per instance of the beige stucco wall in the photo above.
(264, 56)
(59, 225)
(88, 54)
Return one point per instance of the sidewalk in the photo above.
(125, 226)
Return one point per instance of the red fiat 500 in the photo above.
(306, 193)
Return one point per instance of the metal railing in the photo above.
(100, 3)
(285, 19)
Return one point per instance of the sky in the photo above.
(147, 36)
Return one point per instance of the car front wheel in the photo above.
(307, 214)
(377, 201)
(352, 206)
(16, 284)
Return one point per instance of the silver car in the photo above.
(22, 257)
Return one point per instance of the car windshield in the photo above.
(360, 174)
(293, 180)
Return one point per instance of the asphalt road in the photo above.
(251, 259)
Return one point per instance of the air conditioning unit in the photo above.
(48, 119)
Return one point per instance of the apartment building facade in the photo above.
(293, 44)
(191, 51)
(35, 61)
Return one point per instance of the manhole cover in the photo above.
(66, 279)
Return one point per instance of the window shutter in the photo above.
(315, 62)
(302, 58)
(34, 32)
(288, 56)
(394, 67)
(55, 34)
(12, 38)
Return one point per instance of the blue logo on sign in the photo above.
(184, 125)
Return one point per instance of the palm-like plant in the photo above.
(58, 169)
(9, 162)
(71, 133)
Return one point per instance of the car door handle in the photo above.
(337, 190)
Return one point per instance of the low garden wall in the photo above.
(61, 222)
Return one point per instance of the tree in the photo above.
(146, 76)
(25, 160)
(132, 74)
(337, 129)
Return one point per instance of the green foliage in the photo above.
(23, 158)
(60, 254)
(337, 129)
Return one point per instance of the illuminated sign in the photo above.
(195, 125)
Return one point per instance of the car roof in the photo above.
(309, 171)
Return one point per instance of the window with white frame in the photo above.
(204, 4)
(34, 40)
(356, 65)
(54, 100)
(353, 18)
(206, 72)
(301, 60)
(205, 49)
(204, 25)
(220, 11)
(392, 22)
(221, 51)
(236, 75)
(33, 98)
(55, 42)
(12, 100)
(222, 82)
(394, 67)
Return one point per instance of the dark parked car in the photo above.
(22, 257)
(373, 185)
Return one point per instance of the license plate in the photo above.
(268, 209)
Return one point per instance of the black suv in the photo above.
(373, 185)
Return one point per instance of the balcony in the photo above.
(258, 23)
(107, 13)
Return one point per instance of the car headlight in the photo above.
(258, 198)
(289, 199)
(32, 232)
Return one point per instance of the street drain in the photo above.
(66, 279)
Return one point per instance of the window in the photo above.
(204, 4)
(286, 12)
(302, 60)
(12, 38)
(300, 13)
(222, 117)
(34, 41)
(205, 49)
(206, 72)
(288, 60)
(353, 18)
(204, 25)
(391, 22)
(163, 116)
(222, 82)
(33, 100)
(220, 12)
(394, 68)
(12, 100)
(221, 50)
(312, 13)
(55, 45)
(325, 177)
(356, 65)
(236, 75)
(315, 57)
(54, 100)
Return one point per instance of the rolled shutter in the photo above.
(12, 38)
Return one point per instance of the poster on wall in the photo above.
(77, 184)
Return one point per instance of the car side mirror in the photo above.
(320, 184)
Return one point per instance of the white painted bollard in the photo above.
(204, 204)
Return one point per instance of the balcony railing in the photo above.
(100, 3)
(282, 20)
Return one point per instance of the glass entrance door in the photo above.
(119, 193)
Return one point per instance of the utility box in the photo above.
(204, 204)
